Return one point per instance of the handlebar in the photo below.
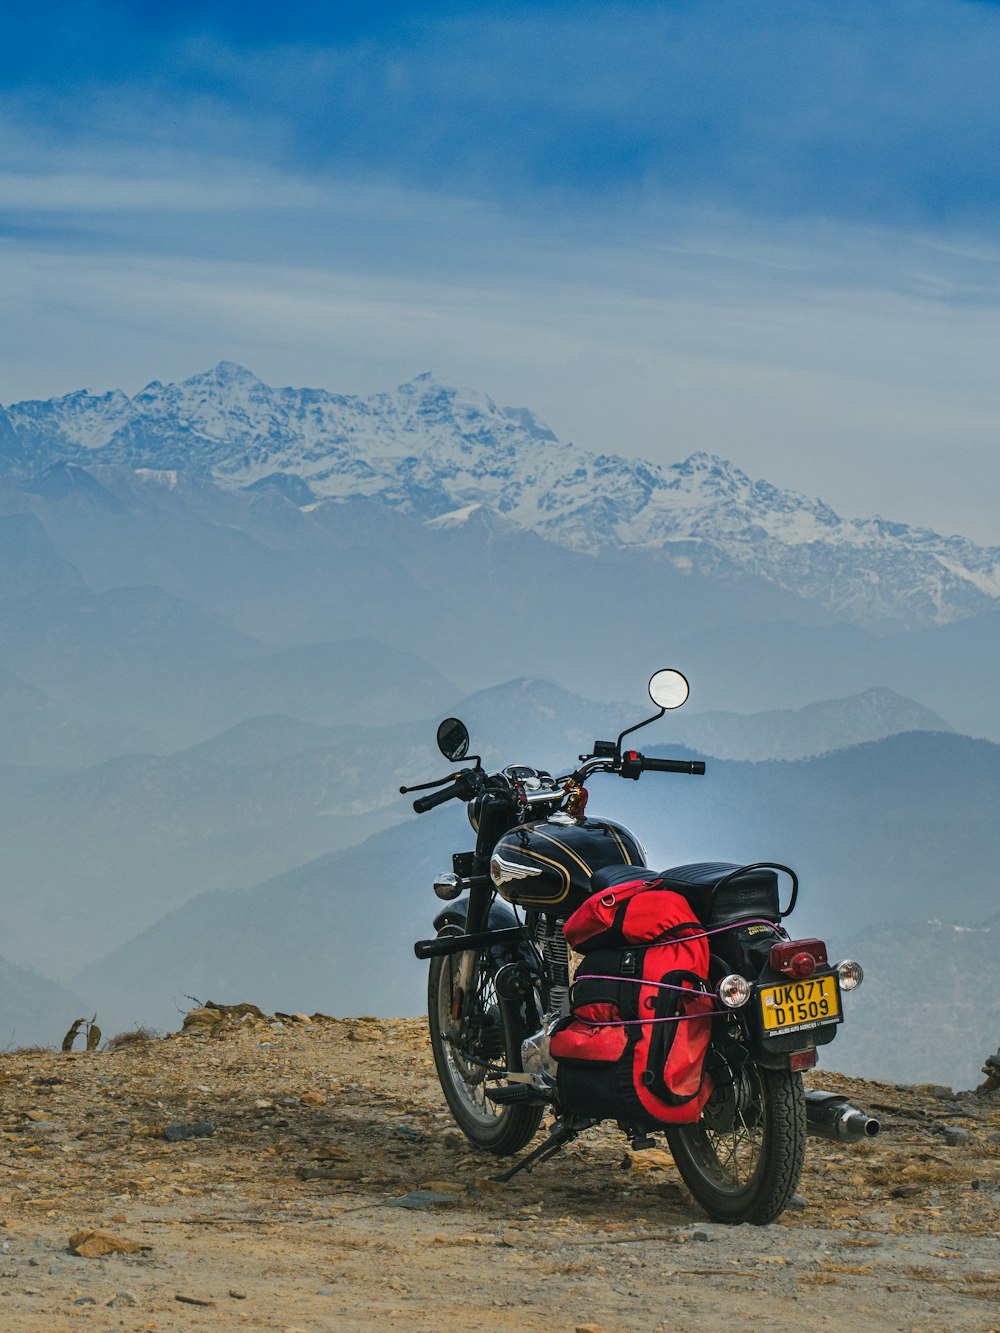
(633, 763)
(630, 765)
(695, 767)
(424, 803)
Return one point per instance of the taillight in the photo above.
(798, 958)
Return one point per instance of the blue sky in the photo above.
(766, 229)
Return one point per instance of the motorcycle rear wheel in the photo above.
(461, 1053)
(743, 1158)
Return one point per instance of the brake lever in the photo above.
(426, 786)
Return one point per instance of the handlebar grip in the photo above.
(695, 767)
(424, 803)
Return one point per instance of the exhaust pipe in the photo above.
(833, 1117)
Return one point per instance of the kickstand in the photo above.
(561, 1133)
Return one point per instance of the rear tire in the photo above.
(483, 1037)
(743, 1158)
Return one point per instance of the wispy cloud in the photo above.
(849, 109)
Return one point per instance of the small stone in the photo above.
(330, 1153)
(648, 1159)
(330, 1173)
(700, 1235)
(122, 1299)
(954, 1135)
(907, 1191)
(313, 1099)
(420, 1199)
(408, 1132)
(237, 1295)
(92, 1244)
(667, 1189)
(797, 1202)
(84, 1300)
(191, 1129)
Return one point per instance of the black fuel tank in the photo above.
(549, 864)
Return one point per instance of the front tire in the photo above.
(463, 1049)
(743, 1158)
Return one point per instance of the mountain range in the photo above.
(231, 617)
(438, 451)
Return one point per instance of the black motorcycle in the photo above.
(501, 981)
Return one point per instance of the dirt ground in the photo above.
(292, 1213)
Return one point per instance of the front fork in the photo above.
(494, 819)
(463, 983)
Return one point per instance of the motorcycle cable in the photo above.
(426, 786)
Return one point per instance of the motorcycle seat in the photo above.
(754, 894)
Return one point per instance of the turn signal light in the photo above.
(734, 991)
(447, 887)
(850, 974)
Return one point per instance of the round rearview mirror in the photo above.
(668, 689)
(453, 739)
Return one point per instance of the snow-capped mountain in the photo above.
(440, 452)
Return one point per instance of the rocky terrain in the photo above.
(302, 1174)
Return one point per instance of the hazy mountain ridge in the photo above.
(431, 448)
(97, 853)
(874, 832)
(834, 724)
(893, 1024)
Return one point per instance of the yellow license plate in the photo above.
(800, 1005)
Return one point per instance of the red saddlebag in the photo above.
(633, 1048)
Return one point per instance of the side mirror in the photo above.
(668, 689)
(453, 739)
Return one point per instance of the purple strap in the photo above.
(633, 1022)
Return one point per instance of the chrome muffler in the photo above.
(833, 1117)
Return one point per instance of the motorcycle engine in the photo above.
(551, 944)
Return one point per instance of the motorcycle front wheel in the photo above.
(465, 1053)
(743, 1158)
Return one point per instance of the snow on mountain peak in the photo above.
(452, 454)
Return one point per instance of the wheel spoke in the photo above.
(742, 1159)
(464, 1040)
